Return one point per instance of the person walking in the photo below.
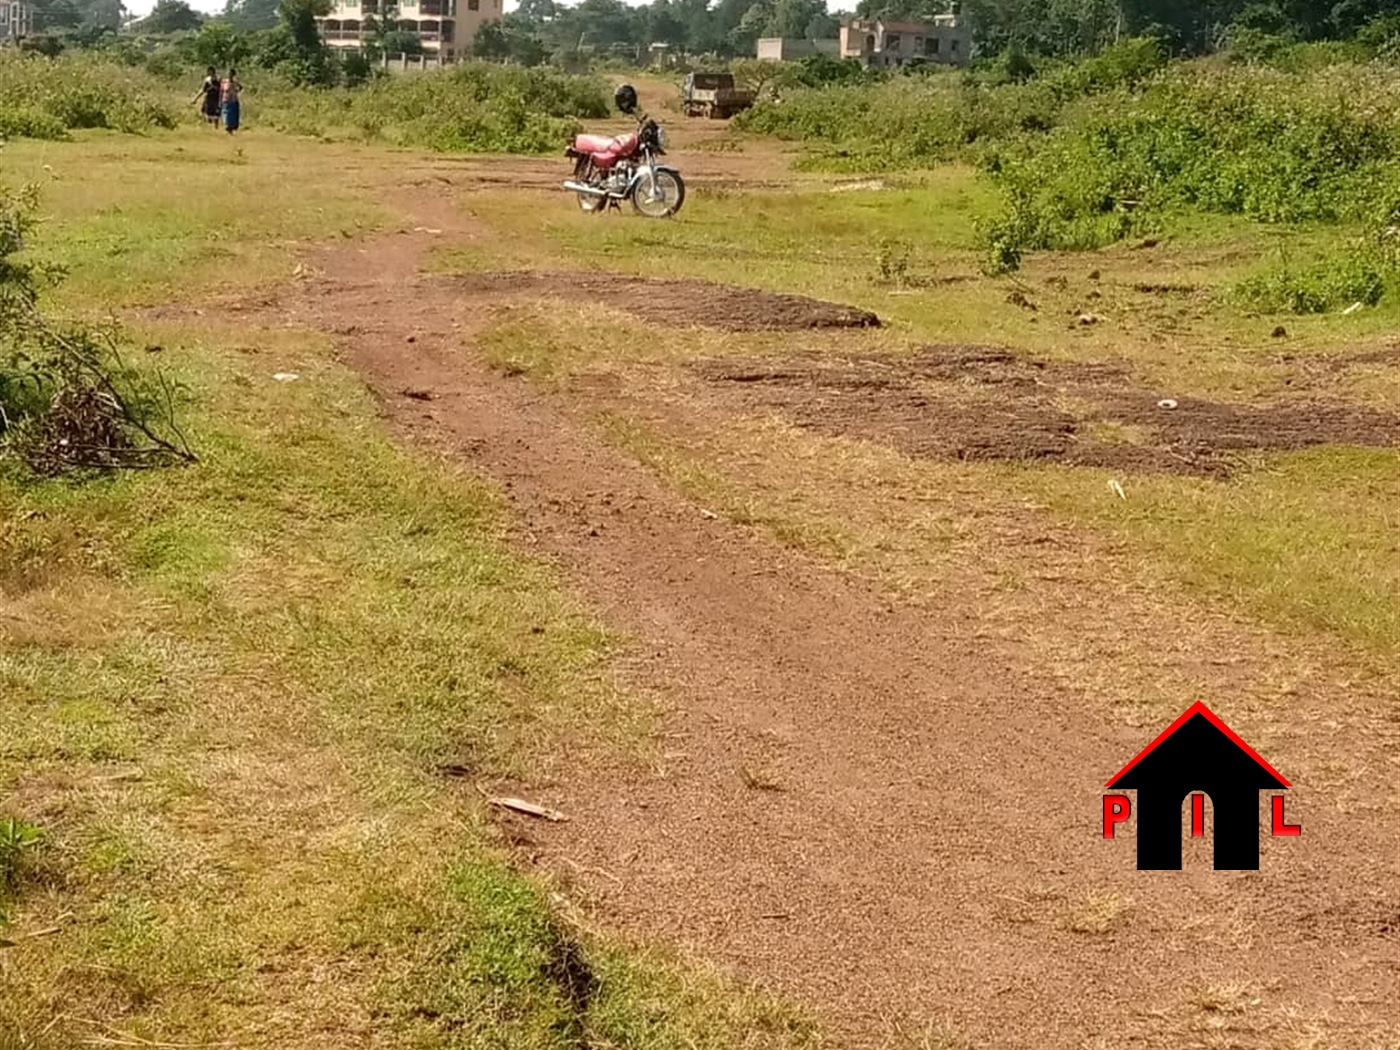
(229, 92)
(210, 97)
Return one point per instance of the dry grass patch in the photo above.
(1098, 913)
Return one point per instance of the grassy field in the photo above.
(247, 702)
(1301, 539)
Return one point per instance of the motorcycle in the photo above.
(608, 171)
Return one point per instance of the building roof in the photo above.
(1196, 731)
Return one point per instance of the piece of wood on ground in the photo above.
(520, 805)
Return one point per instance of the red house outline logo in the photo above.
(1197, 755)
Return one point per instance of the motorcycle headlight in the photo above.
(661, 137)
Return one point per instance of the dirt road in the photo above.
(894, 813)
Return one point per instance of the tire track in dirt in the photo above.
(933, 832)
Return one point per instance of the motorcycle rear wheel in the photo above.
(662, 200)
(584, 171)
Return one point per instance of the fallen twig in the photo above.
(520, 805)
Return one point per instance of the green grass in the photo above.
(190, 213)
(1302, 541)
(1309, 541)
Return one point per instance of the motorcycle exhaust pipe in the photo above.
(583, 187)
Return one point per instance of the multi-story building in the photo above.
(946, 40)
(16, 21)
(445, 28)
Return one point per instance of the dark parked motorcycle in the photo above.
(608, 171)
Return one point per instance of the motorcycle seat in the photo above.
(595, 143)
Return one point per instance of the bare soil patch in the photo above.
(985, 403)
(676, 302)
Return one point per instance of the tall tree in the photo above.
(251, 14)
(171, 16)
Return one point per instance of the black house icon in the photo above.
(1198, 753)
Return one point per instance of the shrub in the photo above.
(1361, 272)
(17, 841)
(1324, 286)
(1255, 142)
(67, 398)
(473, 107)
(47, 97)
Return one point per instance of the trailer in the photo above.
(713, 95)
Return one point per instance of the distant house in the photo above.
(445, 28)
(947, 40)
(16, 21)
(792, 49)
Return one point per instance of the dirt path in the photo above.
(890, 813)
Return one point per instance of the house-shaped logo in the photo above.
(1197, 755)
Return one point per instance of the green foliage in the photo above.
(472, 107)
(17, 841)
(67, 398)
(46, 98)
(1250, 142)
(220, 45)
(1316, 289)
(1361, 272)
(295, 49)
(171, 16)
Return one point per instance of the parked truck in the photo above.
(713, 95)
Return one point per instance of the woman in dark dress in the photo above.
(209, 97)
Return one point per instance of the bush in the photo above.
(1316, 289)
(47, 97)
(474, 107)
(17, 841)
(1248, 141)
(67, 399)
(884, 122)
(1361, 272)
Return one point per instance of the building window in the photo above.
(954, 47)
(891, 41)
(473, 5)
(931, 45)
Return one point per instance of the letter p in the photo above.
(1116, 809)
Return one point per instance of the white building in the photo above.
(792, 49)
(445, 28)
(947, 40)
(16, 20)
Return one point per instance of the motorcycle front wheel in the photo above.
(659, 197)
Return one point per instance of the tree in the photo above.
(171, 16)
(490, 42)
(355, 68)
(402, 42)
(295, 47)
(789, 18)
(755, 75)
(220, 44)
(523, 44)
(249, 15)
(535, 12)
